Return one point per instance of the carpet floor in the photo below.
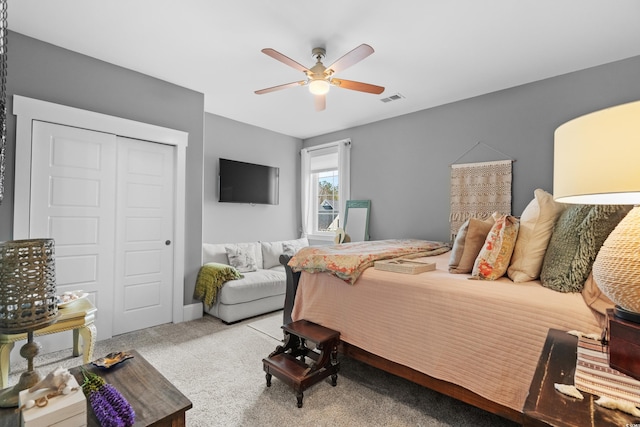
(219, 368)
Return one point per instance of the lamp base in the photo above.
(9, 396)
(624, 345)
(623, 313)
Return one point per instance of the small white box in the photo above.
(61, 411)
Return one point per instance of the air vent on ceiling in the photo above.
(395, 97)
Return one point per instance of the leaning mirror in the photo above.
(356, 220)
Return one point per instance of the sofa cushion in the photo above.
(216, 252)
(271, 251)
(242, 257)
(255, 285)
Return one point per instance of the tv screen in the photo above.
(242, 182)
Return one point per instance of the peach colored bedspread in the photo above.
(485, 336)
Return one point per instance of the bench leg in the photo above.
(5, 352)
(88, 334)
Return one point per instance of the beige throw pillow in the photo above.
(536, 226)
(468, 243)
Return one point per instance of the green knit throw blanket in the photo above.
(211, 277)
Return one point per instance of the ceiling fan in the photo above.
(320, 78)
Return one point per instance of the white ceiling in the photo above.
(431, 51)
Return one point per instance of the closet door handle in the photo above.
(167, 242)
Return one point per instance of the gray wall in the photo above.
(403, 164)
(43, 71)
(232, 222)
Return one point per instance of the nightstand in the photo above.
(547, 407)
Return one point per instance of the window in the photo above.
(325, 188)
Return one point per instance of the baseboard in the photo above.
(192, 312)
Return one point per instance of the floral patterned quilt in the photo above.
(347, 261)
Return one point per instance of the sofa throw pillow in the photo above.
(536, 226)
(494, 257)
(242, 257)
(468, 243)
(292, 246)
(576, 239)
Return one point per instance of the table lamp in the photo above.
(597, 161)
(27, 301)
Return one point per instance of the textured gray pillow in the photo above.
(577, 237)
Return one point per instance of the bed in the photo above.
(475, 340)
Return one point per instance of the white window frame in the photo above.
(309, 189)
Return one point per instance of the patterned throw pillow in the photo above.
(494, 257)
(242, 257)
(577, 237)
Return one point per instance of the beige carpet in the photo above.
(219, 368)
(269, 325)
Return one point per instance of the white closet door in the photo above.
(144, 235)
(72, 197)
(108, 202)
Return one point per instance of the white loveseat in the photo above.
(259, 291)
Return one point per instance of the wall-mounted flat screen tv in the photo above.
(241, 182)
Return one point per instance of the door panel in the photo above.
(72, 187)
(146, 194)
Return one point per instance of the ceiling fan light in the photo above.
(319, 87)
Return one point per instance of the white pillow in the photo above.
(242, 257)
(536, 226)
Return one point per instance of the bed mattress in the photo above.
(485, 336)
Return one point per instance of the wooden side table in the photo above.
(300, 366)
(545, 406)
(155, 400)
(77, 317)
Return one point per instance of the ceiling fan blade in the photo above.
(321, 102)
(359, 86)
(280, 87)
(350, 58)
(284, 59)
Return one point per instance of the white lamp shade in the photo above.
(319, 87)
(597, 157)
(596, 161)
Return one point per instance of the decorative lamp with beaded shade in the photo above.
(597, 161)
(28, 300)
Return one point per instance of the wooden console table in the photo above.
(300, 366)
(154, 399)
(547, 407)
(77, 317)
